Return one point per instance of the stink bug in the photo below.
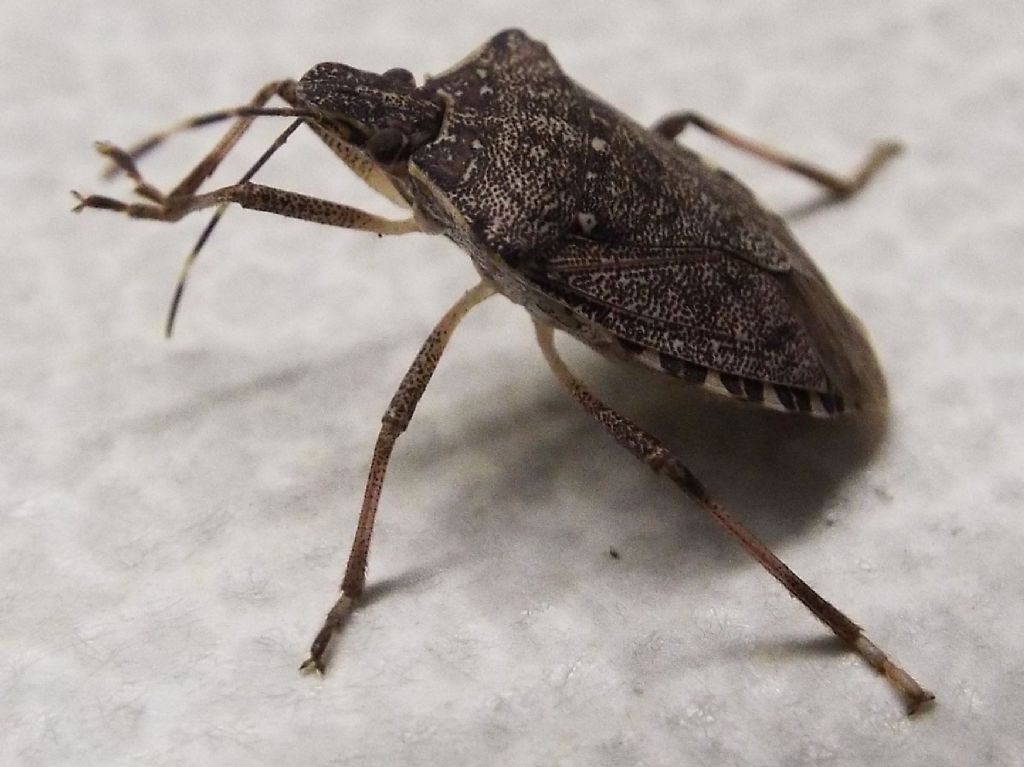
(599, 227)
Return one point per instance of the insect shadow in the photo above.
(777, 471)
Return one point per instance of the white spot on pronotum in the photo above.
(587, 222)
(481, 73)
(599, 144)
(477, 144)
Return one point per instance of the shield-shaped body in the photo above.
(631, 242)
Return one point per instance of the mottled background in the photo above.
(174, 516)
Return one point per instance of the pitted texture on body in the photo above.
(560, 196)
(510, 156)
(352, 98)
(646, 192)
(699, 305)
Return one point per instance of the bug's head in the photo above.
(386, 115)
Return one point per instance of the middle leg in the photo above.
(395, 421)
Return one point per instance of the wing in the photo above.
(679, 261)
(691, 310)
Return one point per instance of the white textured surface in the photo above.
(174, 516)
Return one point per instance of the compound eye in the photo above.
(386, 145)
(399, 76)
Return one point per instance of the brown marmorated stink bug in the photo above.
(599, 227)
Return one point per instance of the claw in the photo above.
(113, 168)
(98, 201)
(886, 150)
(117, 156)
(332, 623)
(917, 705)
(122, 162)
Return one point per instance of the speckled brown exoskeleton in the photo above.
(597, 226)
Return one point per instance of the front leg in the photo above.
(173, 206)
(255, 197)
